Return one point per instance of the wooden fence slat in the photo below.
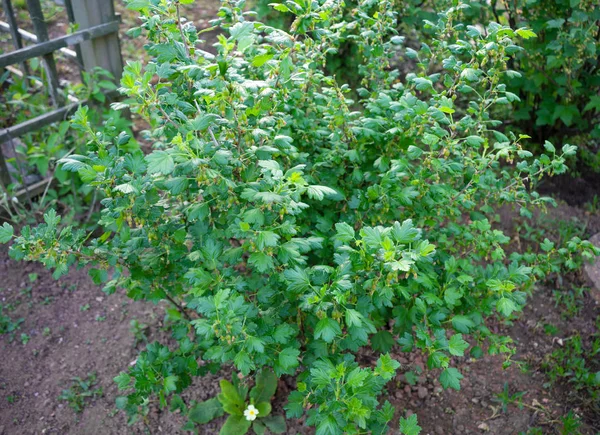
(39, 25)
(27, 36)
(71, 16)
(38, 122)
(43, 48)
(4, 174)
(14, 31)
(102, 52)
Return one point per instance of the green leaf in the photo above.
(124, 188)
(73, 163)
(423, 84)
(297, 279)
(266, 385)
(275, 423)
(259, 428)
(235, 425)
(382, 341)
(457, 346)
(470, 74)
(327, 329)
(170, 383)
(283, 333)
(357, 377)
(506, 306)
(474, 141)
(288, 358)
(353, 318)
(266, 239)
(123, 380)
(98, 276)
(264, 409)
(328, 426)
(345, 233)
(450, 378)
(409, 426)
(241, 30)
(279, 7)
(525, 33)
(6, 232)
(206, 411)
(261, 261)
(462, 323)
(229, 394)
(386, 367)
(261, 59)
(160, 162)
(320, 192)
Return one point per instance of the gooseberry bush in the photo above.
(299, 228)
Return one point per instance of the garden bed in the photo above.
(72, 329)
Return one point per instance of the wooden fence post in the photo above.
(104, 52)
(14, 32)
(39, 25)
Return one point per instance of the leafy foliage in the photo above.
(289, 225)
(35, 155)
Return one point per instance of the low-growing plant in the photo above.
(289, 226)
(80, 391)
(138, 330)
(576, 364)
(34, 155)
(246, 407)
(7, 324)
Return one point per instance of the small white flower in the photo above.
(251, 413)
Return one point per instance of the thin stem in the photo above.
(183, 37)
(181, 309)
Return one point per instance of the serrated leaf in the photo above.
(525, 33)
(170, 383)
(462, 323)
(409, 425)
(288, 357)
(386, 367)
(327, 329)
(98, 276)
(450, 378)
(160, 162)
(297, 279)
(345, 233)
(123, 380)
(506, 306)
(6, 232)
(261, 261)
(279, 7)
(457, 346)
(320, 192)
(382, 341)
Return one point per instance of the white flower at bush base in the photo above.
(251, 413)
